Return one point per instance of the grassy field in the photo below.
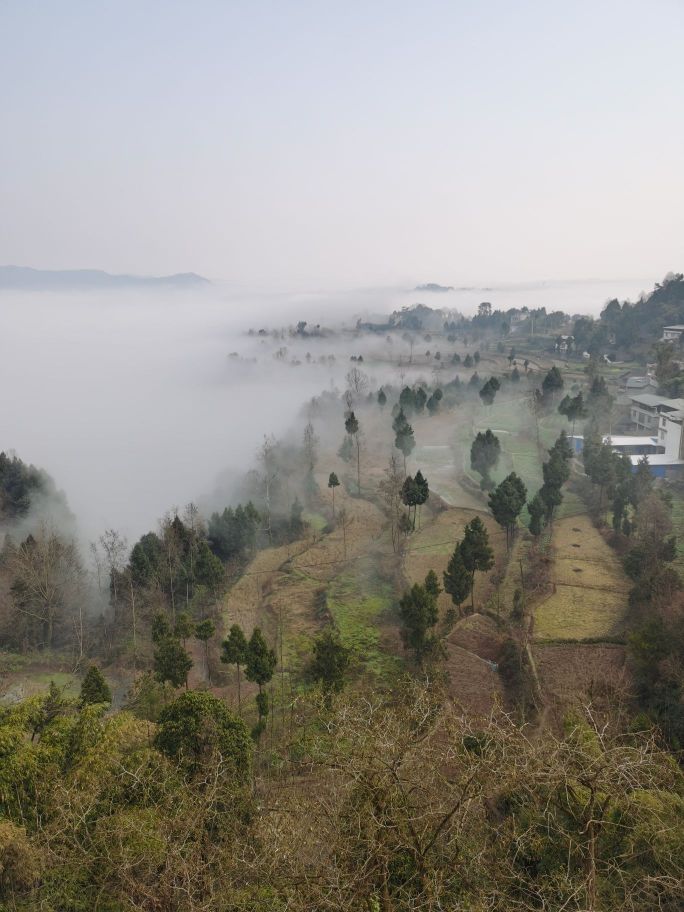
(360, 603)
(678, 528)
(590, 600)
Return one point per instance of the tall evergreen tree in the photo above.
(234, 652)
(204, 631)
(457, 579)
(351, 426)
(333, 482)
(506, 502)
(537, 510)
(330, 662)
(94, 688)
(171, 662)
(259, 667)
(476, 552)
(418, 613)
(484, 456)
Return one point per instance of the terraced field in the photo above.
(591, 589)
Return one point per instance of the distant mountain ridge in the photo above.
(24, 277)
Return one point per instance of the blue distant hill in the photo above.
(23, 277)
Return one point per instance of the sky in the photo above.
(307, 145)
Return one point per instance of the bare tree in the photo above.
(390, 489)
(358, 382)
(115, 548)
(48, 589)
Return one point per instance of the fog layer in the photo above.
(133, 404)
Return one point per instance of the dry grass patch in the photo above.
(591, 588)
(473, 682)
(580, 671)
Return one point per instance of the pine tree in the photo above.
(184, 627)
(418, 613)
(422, 490)
(171, 662)
(476, 552)
(382, 398)
(405, 440)
(333, 482)
(259, 667)
(457, 579)
(204, 631)
(330, 662)
(537, 510)
(351, 426)
(94, 688)
(234, 652)
(160, 627)
(506, 502)
(484, 455)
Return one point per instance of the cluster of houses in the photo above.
(657, 422)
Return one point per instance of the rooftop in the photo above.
(678, 326)
(652, 401)
(627, 440)
(657, 459)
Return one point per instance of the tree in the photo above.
(484, 455)
(422, 490)
(407, 399)
(391, 488)
(204, 631)
(330, 662)
(94, 688)
(114, 546)
(47, 589)
(382, 398)
(476, 552)
(333, 482)
(198, 725)
(351, 425)
(234, 652)
(310, 448)
(259, 667)
(357, 382)
(489, 391)
(171, 662)
(556, 472)
(418, 613)
(434, 401)
(409, 497)
(552, 383)
(506, 502)
(184, 627)
(420, 399)
(537, 510)
(160, 627)
(457, 579)
(405, 440)
(574, 409)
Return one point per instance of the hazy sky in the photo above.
(304, 144)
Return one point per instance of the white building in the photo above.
(646, 409)
(672, 333)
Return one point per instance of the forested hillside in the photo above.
(633, 328)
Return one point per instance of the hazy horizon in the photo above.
(298, 146)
